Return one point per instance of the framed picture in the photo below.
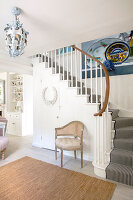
(2, 92)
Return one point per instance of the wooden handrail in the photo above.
(107, 81)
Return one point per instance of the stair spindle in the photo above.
(71, 67)
(59, 61)
(76, 74)
(63, 66)
(48, 60)
(67, 66)
(85, 75)
(96, 82)
(91, 79)
(80, 74)
(51, 61)
(55, 63)
(44, 59)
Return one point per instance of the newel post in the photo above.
(102, 143)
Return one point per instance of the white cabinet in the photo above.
(19, 112)
(14, 92)
(14, 125)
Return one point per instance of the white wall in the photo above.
(3, 75)
(68, 107)
(27, 115)
(121, 94)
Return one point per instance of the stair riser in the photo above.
(121, 159)
(124, 134)
(124, 146)
(120, 124)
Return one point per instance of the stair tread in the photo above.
(124, 118)
(123, 151)
(124, 143)
(122, 156)
(123, 122)
(120, 173)
(124, 132)
(130, 140)
(125, 128)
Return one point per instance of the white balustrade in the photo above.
(69, 64)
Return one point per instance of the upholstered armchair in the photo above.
(70, 138)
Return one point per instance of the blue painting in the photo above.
(97, 48)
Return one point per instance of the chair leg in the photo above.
(3, 154)
(55, 153)
(75, 154)
(61, 158)
(81, 158)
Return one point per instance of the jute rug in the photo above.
(31, 179)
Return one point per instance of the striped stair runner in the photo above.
(120, 168)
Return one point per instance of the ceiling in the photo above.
(56, 23)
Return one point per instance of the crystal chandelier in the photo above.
(16, 36)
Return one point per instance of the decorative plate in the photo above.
(118, 52)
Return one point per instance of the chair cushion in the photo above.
(3, 143)
(68, 143)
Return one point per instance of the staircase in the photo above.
(69, 66)
(120, 168)
(86, 74)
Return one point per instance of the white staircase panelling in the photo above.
(67, 108)
(81, 89)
